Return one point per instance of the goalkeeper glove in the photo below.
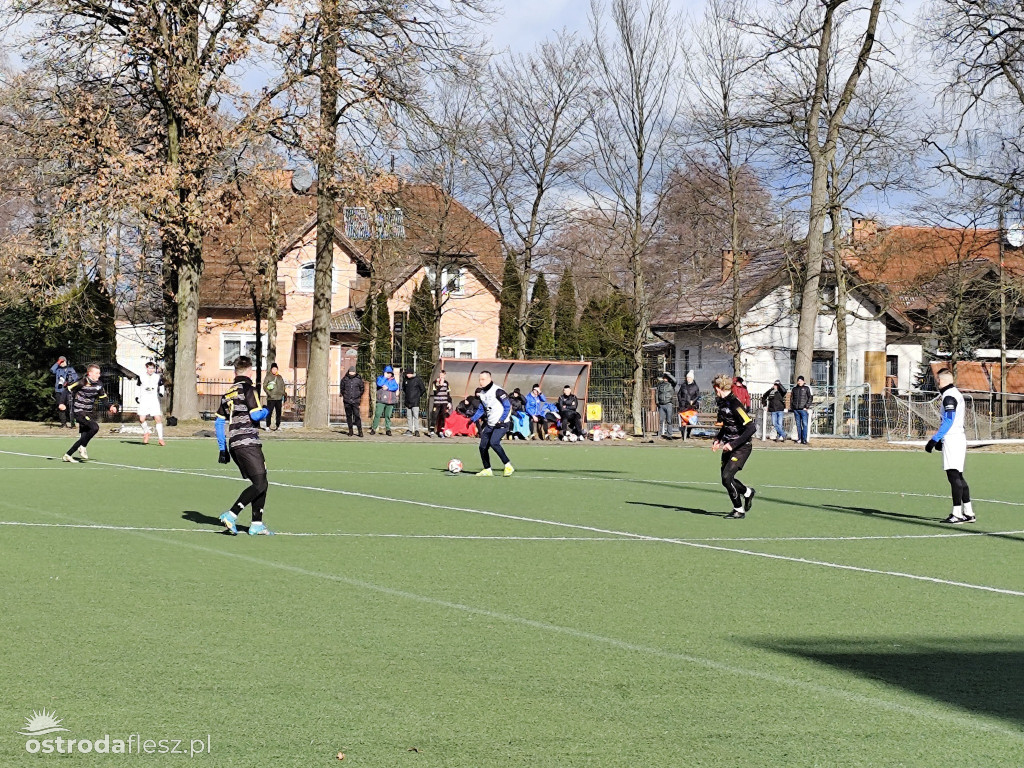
(932, 445)
(224, 457)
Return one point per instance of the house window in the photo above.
(307, 278)
(686, 361)
(464, 349)
(234, 345)
(307, 274)
(453, 280)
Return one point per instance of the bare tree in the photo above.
(533, 111)
(815, 56)
(369, 59)
(635, 139)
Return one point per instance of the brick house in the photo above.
(416, 231)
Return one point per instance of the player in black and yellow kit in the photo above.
(734, 439)
(238, 435)
(81, 398)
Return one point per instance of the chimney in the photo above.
(730, 262)
(864, 229)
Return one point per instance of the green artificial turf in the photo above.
(593, 609)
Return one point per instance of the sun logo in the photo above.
(42, 723)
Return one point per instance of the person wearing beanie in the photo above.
(352, 388)
(387, 397)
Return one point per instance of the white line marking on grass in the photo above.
(153, 529)
(589, 528)
(957, 719)
(468, 537)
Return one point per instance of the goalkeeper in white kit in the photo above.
(151, 389)
(952, 439)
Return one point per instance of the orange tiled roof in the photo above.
(983, 376)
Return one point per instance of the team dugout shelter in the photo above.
(463, 377)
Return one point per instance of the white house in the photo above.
(700, 324)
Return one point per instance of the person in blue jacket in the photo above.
(387, 397)
(538, 408)
(64, 374)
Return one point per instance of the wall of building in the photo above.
(292, 352)
(469, 316)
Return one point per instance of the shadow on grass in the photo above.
(677, 508)
(980, 675)
(201, 518)
(577, 471)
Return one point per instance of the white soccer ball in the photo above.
(573, 438)
(449, 433)
(455, 466)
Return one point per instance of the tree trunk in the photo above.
(318, 373)
(272, 295)
(810, 303)
(256, 311)
(186, 398)
(523, 309)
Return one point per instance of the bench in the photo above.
(705, 422)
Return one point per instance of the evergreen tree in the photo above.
(382, 332)
(567, 343)
(33, 334)
(540, 339)
(511, 290)
(365, 360)
(421, 328)
(606, 327)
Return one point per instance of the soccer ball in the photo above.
(572, 438)
(449, 433)
(455, 466)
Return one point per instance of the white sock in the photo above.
(958, 511)
(160, 430)
(749, 492)
(738, 510)
(968, 509)
(145, 427)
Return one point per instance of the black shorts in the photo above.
(736, 459)
(250, 461)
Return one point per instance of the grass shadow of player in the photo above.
(201, 518)
(979, 675)
(678, 508)
(902, 517)
(577, 471)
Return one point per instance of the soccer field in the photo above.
(593, 609)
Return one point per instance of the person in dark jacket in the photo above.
(665, 397)
(518, 400)
(440, 404)
(734, 440)
(414, 390)
(352, 388)
(689, 394)
(274, 388)
(64, 375)
(569, 413)
(800, 400)
(775, 401)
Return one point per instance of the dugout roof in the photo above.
(509, 374)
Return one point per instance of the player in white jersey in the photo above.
(151, 387)
(494, 409)
(952, 438)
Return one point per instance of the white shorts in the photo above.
(150, 407)
(954, 452)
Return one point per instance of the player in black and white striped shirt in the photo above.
(81, 398)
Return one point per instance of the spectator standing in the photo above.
(775, 401)
(440, 403)
(537, 408)
(64, 374)
(569, 412)
(689, 394)
(665, 396)
(275, 388)
(387, 396)
(800, 401)
(739, 389)
(414, 390)
(352, 388)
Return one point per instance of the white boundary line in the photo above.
(589, 528)
(468, 537)
(956, 719)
